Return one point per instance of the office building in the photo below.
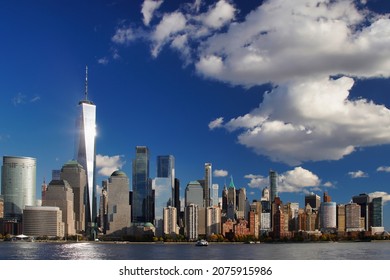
(118, 205)
(191, 213)
(76, 176)
(265, 195)
(376, 210)
(207, 184)
(1, 207)
(273, 183)
(177, 203)
(313, 200)
(364, 201)
(142, 204)
(169, 221)
(162, 188)
(328, 217)
(18, 185)
(352, 217)
(86, 156)
(39, 221)
(60, 194)
(166, 169)
(241, 207)
(340, 215)
(231, 200)
(194, 193)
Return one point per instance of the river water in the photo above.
(111, 251)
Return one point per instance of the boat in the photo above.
(202, 242)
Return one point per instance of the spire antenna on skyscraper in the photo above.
(86, 82)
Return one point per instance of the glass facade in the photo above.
(142, 204)
(273, 182)
(86, 156)
(377, 212)
(166, 169)
(207, 183)
(162, 199)
(18, 185)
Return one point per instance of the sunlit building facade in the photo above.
(86, 156)
(18, 185)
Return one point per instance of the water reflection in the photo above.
(109, 251)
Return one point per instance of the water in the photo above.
(110, 251)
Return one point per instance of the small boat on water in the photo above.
(201, 242)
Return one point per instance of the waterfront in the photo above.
(229, 251)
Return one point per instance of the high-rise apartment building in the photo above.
(60, 194)
(76, 176)
(191, 213)
(207, 183)
(214, 195)
(118, 205)
(18, 185)
(340, 215)
(86, 156)
(241, 209)
(170, 222)
(142, 204)
(213, 220)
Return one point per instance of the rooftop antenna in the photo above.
(86, 82)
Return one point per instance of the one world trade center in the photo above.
(86, 156)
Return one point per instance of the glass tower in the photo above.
(86, 156)
(142, 204)
(273, 177)
(207, 184)
(18, 185)
(166, 169)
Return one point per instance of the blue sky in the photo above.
(292, 86)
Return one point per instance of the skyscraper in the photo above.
(60, 194)
(86, 155)
(118, 206)
(142, 204)
(273, 182)
(166, 169)
(75, 175)
(207, 184)
(18, 185)
(231, 200)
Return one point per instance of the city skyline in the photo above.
(160, 78)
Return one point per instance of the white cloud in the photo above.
(298, 55)
(220, 173)
(19, 99)
(169, 26)
(106, 165)
(385, 196)
(383, 169)
(215, 123)
(297, 180)
(103, 60)
(219, 14)
(329, 185)
(358, 174)
(148, 9)
(124, 35)
(35, 99)
(257, 181)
